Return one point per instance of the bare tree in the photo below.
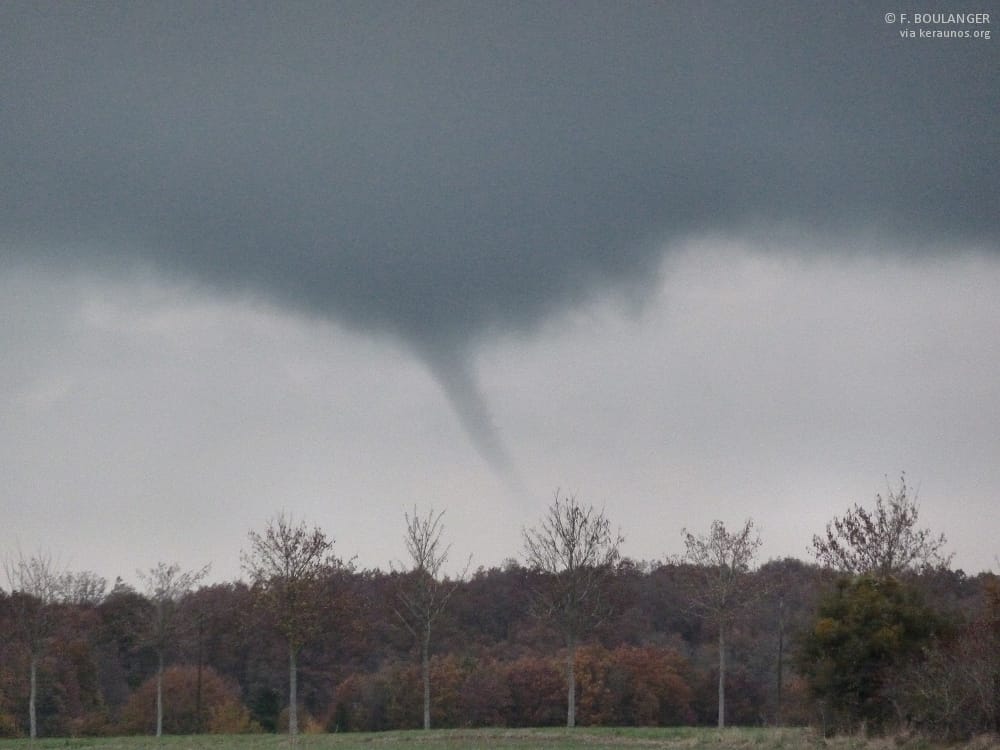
(36, 590)
(882, 542)
(576, 553)
(85, 588)
(422, 594)
(287, 564)
(166, 585)
(720, 585)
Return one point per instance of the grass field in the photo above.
(603, 738)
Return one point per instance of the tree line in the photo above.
(878, 632)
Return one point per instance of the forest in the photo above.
(877, 633)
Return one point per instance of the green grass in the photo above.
(588, 738)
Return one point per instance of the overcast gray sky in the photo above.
(685, 260)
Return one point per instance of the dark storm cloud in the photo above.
(440, 171)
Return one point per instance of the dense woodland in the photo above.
(809, 644)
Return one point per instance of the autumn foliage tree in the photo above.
(180, 685)
(288, 563)
(634, 685)
(575, 552)
(165, 585)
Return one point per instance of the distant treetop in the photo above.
(882, 542)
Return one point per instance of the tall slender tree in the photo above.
(422, 593)
(575, 552)
(287, 564)
(720, 585)
(166, 585)
(36, 590)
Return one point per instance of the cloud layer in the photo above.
(442, 173)
(433, 170)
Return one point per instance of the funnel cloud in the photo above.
(443, 172)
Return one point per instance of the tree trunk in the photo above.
(571, 683)
(159, 693)
(425, 668)
(201, 664)
(293, 698)
(32, 722)
(780, 717)
(722, 675)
